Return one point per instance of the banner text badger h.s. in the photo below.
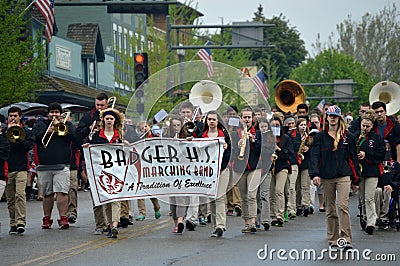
(153, 168)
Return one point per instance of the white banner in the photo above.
(153, 168)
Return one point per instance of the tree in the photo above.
(21, 57)
(330, 65)
(374, 41)
(289, 51)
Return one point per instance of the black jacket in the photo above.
(304, 164)
(355, 127)
(284, 155)
(329, 164)
(295, 138)
(227, 152)
(18, 157)
(252, 152)
(374, 148)
(268, 143)
(391, 134)
(58, 150)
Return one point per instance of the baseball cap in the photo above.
(333, 110)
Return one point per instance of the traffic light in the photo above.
(141, 70)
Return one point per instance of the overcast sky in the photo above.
(310, 17)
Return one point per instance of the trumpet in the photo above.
(243, 145)
(61, 128)
(15, 134)
(111, 101)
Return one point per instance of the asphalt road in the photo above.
(151, 242)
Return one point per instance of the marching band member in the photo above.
(178, 204)
(333, 161)
(54, 152)
(281, 167)
(146, 132)
(304, 179)
(372, 151)
(85, 129)
(17, 171)
(388, 128)
(110, 132)
(214, 128)
(267, 149)
(248, 168)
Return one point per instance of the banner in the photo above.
(153, 168)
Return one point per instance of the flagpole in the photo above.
(26, 9)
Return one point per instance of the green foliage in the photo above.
(21, 57)
(328, 66)
(289, 51)
(375, 42)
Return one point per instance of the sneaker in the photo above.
(157, 214)
(181, 226)
(114, 232)
(238, 210)
(277, 221)
(130, 220)
(123, 222)
(20, 229)
(98, 231)
(286, 217)
(347, 247)
(246, 229)
(292, 215)
(299, 212)
(369, 230)
(190, 225)
(47, 222)
(306, 211)
(311, 210)
(229, 213)
(140, 217)
(266, 226)
(322, 210)
(253, 228)
(218, 232)
(202, 221)
(63, 222)
(72, 219)
(13, 230)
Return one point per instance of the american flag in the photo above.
(206, 55)
(259, 82)
(321, 105)
(46, 7)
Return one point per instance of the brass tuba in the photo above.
(387, 92)
(15, 134)
(206, 94)
(289, 94)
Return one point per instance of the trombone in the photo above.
(61, 129)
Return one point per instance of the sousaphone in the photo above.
(289, 94)
(387, 92)
(207, 95)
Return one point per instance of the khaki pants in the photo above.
(142, 205)
(248, 186)
(336, 194)
(218, 214)
(277, 191)
(99, 219)
(292, 188)
(382, 201)
(367, 199)
(16, 197)
(305, 182)
(73, 194)
(233, 195)
(111, 212)
(265, 198)
(125, 209)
